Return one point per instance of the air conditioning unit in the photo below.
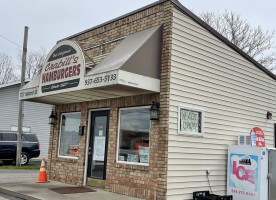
(244, 140)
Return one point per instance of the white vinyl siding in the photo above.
(235, 96)
(36, 116)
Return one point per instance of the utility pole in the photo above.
(20, 113)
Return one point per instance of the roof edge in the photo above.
(14, 83)
(196, 19)
(222, 38)
(116, 19)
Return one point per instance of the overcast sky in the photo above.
(52, 20)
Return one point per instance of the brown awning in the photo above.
(132, 68)
(139, 53)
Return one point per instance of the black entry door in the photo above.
(97, 150)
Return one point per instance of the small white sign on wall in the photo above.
(190, 121)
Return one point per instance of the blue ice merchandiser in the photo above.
(251, 173)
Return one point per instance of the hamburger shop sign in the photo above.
(63, 69)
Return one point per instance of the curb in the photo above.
(16, 194)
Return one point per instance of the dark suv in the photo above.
(8, 146)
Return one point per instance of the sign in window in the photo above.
(190, 121)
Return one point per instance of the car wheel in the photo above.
(7, 162)
(25, 158)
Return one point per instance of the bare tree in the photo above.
(252, 40)
(7, 73)
(34, 63)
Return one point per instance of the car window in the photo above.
(7, 137)
(30, 137)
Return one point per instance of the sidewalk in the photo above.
(22, 184)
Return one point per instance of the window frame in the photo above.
(118, 137)
(186, 132)
(60, 124)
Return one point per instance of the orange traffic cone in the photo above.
(42, 177)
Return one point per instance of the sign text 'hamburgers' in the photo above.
(63, 68)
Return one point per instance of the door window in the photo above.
(98, 145)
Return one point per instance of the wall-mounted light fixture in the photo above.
(154, 110)
(53, 118)
(269, 115)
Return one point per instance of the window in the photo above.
(8, 137)
(69, 135)
(190, 121)
(133, 137)
(30, 137)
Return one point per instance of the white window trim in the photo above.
(190, 133)
(118, 137)
(60, 126)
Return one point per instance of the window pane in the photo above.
(69, 136)
(99, 140)
(30, 137)
(190, 121)
(8, 137)
(134, 135)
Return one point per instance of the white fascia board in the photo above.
(138, 81)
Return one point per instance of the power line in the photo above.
(11, 41)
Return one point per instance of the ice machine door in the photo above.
(272, 173)
(247, 172)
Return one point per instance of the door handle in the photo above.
(89, 153)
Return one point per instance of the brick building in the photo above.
(103, 82)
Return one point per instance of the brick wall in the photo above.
(148, 182)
